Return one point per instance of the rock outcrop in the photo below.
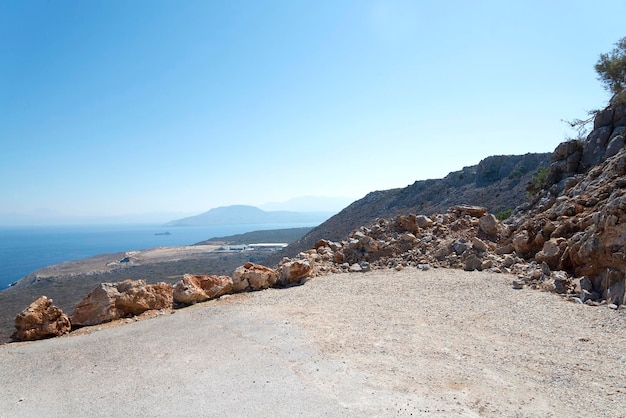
(199, 288)
(294, 272)
(41, 320)
(579, 224)
(110, 301)
(581, 230)
(253, 276)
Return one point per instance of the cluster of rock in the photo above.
(579, 224)
(466, 237)
(585, 268)
(582, 230)
(112, 301)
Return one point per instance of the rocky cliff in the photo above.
(578, 223)
(497, 183)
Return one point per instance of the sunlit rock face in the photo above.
(199, 288)
(41, 320)
(110, 301)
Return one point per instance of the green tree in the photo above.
(611, 68)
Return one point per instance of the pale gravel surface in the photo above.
(385, 343)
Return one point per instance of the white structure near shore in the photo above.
(253, 247)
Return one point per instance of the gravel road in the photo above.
(384, 343)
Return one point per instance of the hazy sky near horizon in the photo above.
(127, 107)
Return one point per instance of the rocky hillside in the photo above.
(579, 223)
(569, 238)
(497, 183)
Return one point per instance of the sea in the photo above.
(24, 250)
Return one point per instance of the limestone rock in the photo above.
(551, 253)
(97, 307)
(254, 276)
(199, 288)
(475, 211)
(188, 291)
(215, 286)
(488, 224)
(110, 301)
(479, 245)
(137, 297)
(368, 244)
(321, 243)
(355, 268)
(41, 320)
(521, 242)
(423, 221)
(294, 271)
(461, 246)
(472, 263)
(406, 223)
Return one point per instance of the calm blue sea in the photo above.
(26, 249)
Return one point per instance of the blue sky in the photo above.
(131, 107)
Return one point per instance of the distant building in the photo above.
(233, 248)
(252, 247)
(268, 246)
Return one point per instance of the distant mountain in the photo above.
(243, 214)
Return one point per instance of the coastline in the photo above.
(24, 250)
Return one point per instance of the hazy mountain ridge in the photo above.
(245, 214)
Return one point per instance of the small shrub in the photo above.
(538, 183)
(504, 214)
(518, 172)
(490, 174)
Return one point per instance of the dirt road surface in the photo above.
(385, 343)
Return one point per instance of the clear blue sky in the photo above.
(127, 107)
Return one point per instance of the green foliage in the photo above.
(504, 214)
(538, 182)
(517, 173)
(490, 174)
(611, 68)
(540, 177)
